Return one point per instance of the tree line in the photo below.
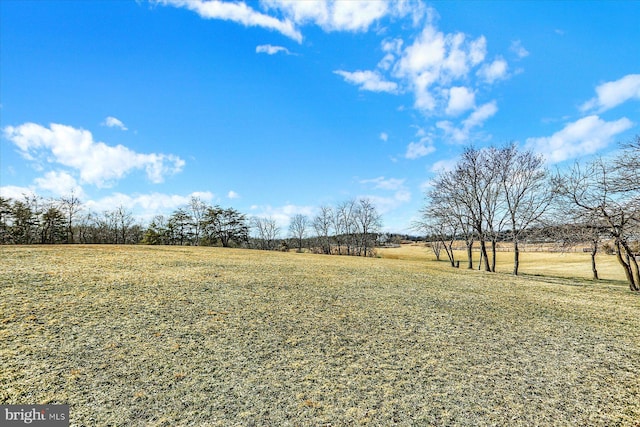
(350, 228)
(507, 194)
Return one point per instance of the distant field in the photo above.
(556, 264)
(166, 336)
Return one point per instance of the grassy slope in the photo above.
(205, 336)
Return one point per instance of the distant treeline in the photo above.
(350, 228)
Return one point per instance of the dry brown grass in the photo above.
(576, 265)
(203, 336)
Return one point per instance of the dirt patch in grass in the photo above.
(205, 336)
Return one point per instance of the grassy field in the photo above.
(206, 336)
(550, 264)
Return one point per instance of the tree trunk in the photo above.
(493, 253)
(470, 254)
(594, 251)
(633, 267)
(627, 267)
(516, 257)
(448, 248)
(483, 255)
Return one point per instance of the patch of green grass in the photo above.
(206, 336)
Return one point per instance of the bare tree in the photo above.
(472, 184)
(70, 205)
(627, 167)
(368, 222)
(493, 199)
(124, 220)
(322, 225)
(197, 210)
(595, 189)
(298, 228)
(440, 226)
(344, 215)
(267, 230)
(525, 186)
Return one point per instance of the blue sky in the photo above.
(275, 107)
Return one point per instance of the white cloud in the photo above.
(585, 136)
(271, 50)
(384, 184)
(386, 204)
(97, 163)
(335, 15)
(330, 15)
(497, 70)
(113, 122)
(419, 149)
(233, 195)
(357, 15)
(434, 62)
(16, 193)
(59, 183)
(283, 214)
(146, 206)
(481, 114)
(461, 99)
(442, 165)
(427, 67)
(384, 136)
(237, 12)
(478, 50)
(517, 48)
(462, 133)
(368, 80)
(612, 94)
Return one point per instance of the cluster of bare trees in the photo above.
(501, 194)
(491, 194)
(350, 228)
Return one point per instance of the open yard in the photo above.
(134, 335)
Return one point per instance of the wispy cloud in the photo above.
(384, 201)
(271, 50)
(96, 162)
(462, 133)
(519, 50)
(233, 195)
(336, 15)
(583, 137)
(418, 149)
(612, 94)
(285, 16)
(282, 214)
(496, 70)
(368, 80)
(113, 122)
(237, 12)
(383, 183)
